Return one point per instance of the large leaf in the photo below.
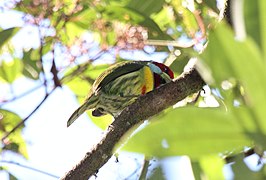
(189, 131)
(256, 27)
(14, 142)
(211, 171)
(5, 35)
(242, 61)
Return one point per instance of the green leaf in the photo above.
(229, 58)
(185, 17)
(256, 27)
(211, 4)
(31, 64)
(212, 167)
(9, 71)
(241, 171)
(71, 33)
(85, 18)
(146, 7)
(157, 174)
(166, 20)
(5, 35)
(180, 62)
(195, 132)
(197, 170)
(14, 142)
(11, 176)
(190, 22)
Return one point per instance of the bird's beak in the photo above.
(166, 77)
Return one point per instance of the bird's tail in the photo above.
(88, 104)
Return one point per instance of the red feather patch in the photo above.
(143, 90)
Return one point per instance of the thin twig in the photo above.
(144, 170)
(81, 68)
(41, 60)
(4, 102)
(152, 42)
(54, 71)
(30, 168)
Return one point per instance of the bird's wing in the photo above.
(114, 72)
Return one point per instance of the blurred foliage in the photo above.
(15, 142)
(234, 69)
(7, 34)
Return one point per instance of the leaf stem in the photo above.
(144, 170)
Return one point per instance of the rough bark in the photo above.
(154, 102)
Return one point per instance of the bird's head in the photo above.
(162, 73)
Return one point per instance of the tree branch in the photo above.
(154, 102)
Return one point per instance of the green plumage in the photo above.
(112, 90)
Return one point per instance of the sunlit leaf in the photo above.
(210, 170)
(9, 71)
(189, 131)
(84, 19)
(71, 32)
(190, 22)
(102, 122)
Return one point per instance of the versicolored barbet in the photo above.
(120, 85)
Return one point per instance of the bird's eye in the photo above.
(101, 110)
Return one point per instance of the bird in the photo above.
(120, 85)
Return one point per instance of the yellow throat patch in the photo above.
(148, 80)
